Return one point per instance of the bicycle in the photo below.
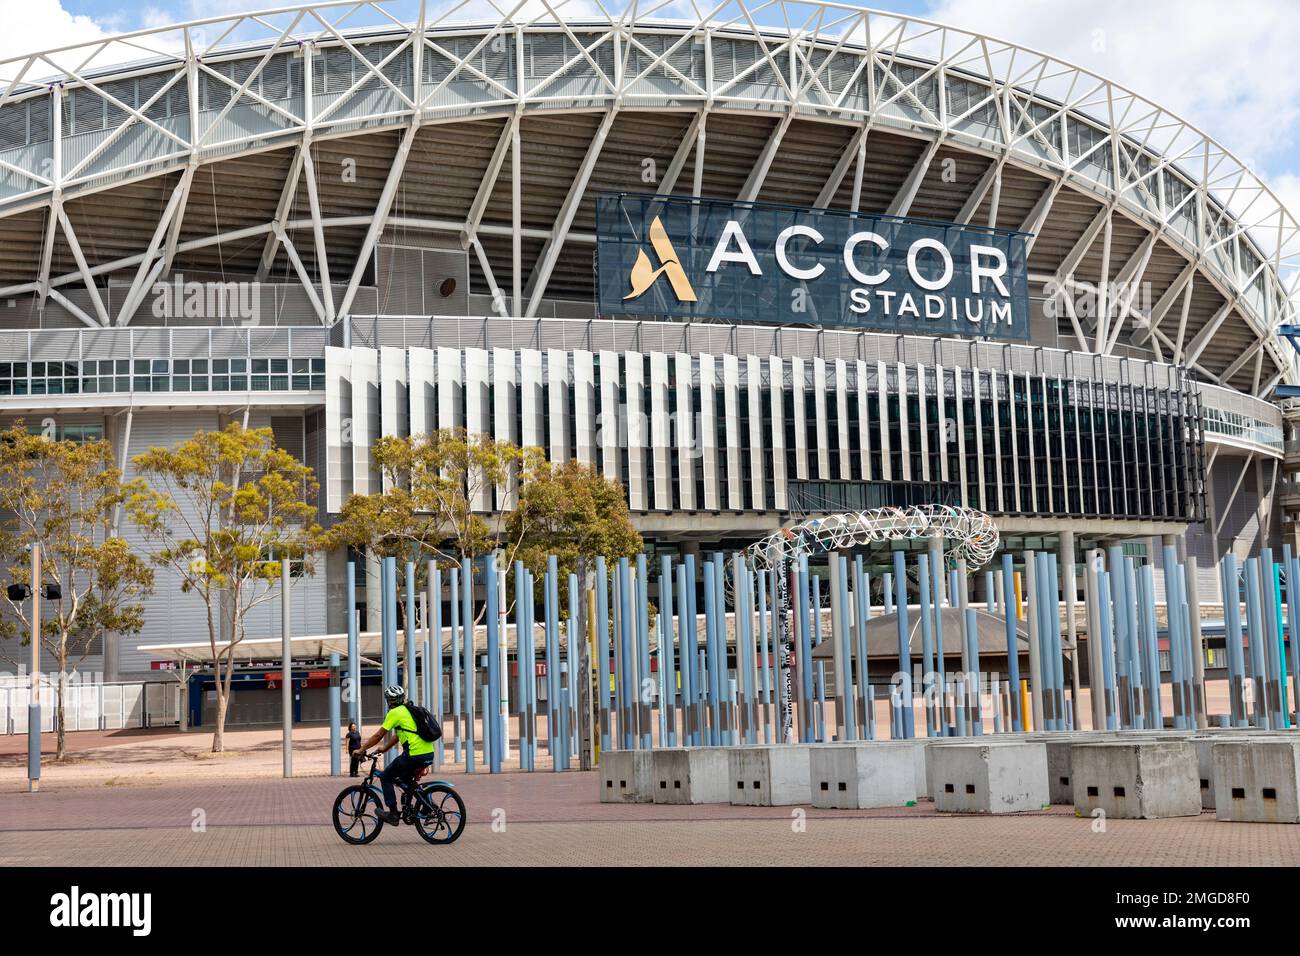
(434, 809)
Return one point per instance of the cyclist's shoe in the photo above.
(390, 816)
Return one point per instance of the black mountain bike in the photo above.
(434, 809)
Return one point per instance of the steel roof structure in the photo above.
(284, 144)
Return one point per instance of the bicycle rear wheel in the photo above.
(446, 820)
(357, 815)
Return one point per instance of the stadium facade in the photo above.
(344, 221)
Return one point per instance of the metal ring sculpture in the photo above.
(971, 534)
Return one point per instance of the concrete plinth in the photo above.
(869, 774)
(691, 775)
(1257, 780)
(769, 776)
(626, 776)
(1137, 779)
(989, 777)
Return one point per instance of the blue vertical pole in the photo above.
(821, 665)
(908, 726)
(1119, 599)
(643, 651)
(1013, 641)
(435, 638)
(354, 660)
(412, 672)
(455, 661)
(1279, 643)
(889, 592)
(764, 657)
(388, 619)
(728, 699)
(602, 651)
(492, 718)
(862, 594)
(990, 594)
(1107, 646)
(1134, 644)
(745, 639)
(1268, 607)
(467, 642)
(1058, 645)
(711, 653)
(572, 745)
(521, 662)
(807, 704)
(554, 706)
(336, 715)
(686, 644)
(927, 641)
(667, 654)
(691, 655)
(627, 733)
(1293, 604)
(1255, 641)
(1151, 648)
(1232, 639)
(973, 645)
(846, 651)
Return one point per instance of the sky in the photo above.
(1226, 67)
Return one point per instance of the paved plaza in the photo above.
(518, 819)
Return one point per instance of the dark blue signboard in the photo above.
(753, 262)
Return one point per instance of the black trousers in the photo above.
(356, 763)
(404, 768)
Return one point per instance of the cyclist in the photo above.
(417, 753)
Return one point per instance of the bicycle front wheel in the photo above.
(357, 815)
(444, 816)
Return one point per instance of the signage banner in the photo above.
(753, 262)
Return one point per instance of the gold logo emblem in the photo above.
(644, 274)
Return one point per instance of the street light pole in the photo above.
(34, 695)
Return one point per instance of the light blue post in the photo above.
(643, 651)
(354, 660)
(1151, 647)
(975, 676)
(728, 686)
(862, 594)
(626, 701)
(1013, 640)
(1232, 639)
(435, 640)
(904, 651)
(960, 703)
(602, 650)
(550, 588)
(1134, 644)
(1293, 604)
(667, 653)
(715, 737)
(990, 599)
(1269, 603)
(388, 637)
(1119, 599)
(691, 656)
(455, 661)
(1107, 646)
(467, 642)
(1255, 630)
(1054, 631)
(846, 650)
(927, 642)
(889, 592)
(764, 658)
(1173, 606)
(530, 612)
(523, 676)
(744, 606)
(1040, 607)
(808, 704)
(821, 665)
(492, 729)
(1279, 646)
(574, 640)
(686, 643)
(336, 715)
(412, 671)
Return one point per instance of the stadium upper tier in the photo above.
(286, 146)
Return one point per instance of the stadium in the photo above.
(775, 261)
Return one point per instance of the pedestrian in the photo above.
(354, 741)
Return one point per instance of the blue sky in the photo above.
(1227, 67)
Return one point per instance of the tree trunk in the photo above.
(61, 748)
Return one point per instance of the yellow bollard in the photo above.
(1025, 713)
(1020, 608)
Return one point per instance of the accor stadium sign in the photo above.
(753, 262)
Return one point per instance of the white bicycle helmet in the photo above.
(394, 694)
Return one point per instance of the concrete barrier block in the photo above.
(769, 776)
(626, 776)
(989, 777)
(1137, 779)
(691, 775)
(864, 775)
(1257, 780)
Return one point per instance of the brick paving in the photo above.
(555, 819)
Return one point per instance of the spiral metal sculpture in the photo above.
(969, 534)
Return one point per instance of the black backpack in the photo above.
(427, 727)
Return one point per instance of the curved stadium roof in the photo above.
(180, 150)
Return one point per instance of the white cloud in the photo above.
(31, 26)
(1226, 67)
